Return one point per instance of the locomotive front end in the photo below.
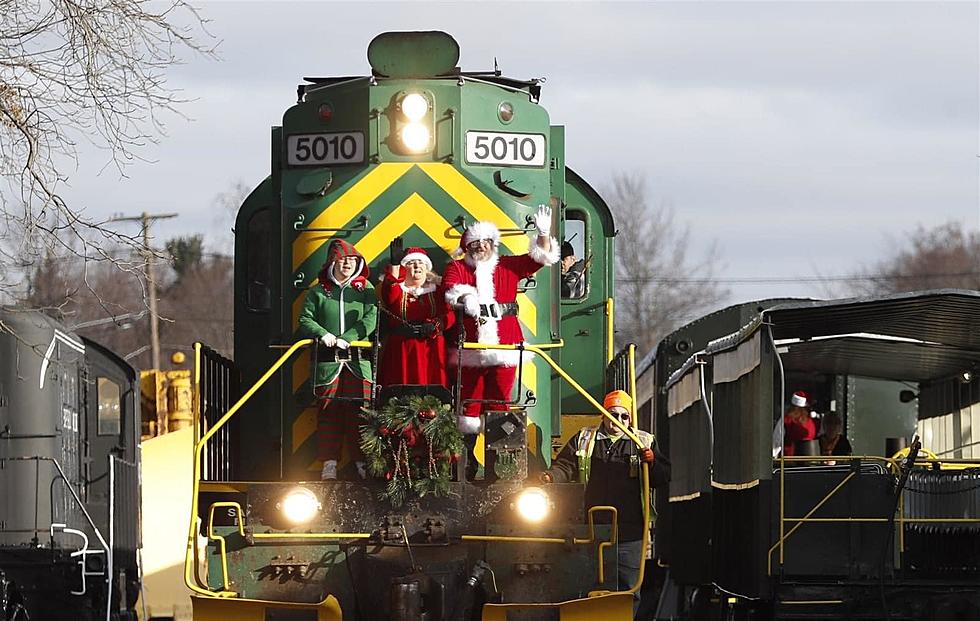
(421, 529)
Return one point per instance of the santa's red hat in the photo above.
(801, 398)
(417, 254)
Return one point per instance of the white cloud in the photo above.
(763, 123)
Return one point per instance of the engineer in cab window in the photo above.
(572, 273)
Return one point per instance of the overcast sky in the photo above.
(804, 138)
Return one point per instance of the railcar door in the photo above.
(586, 288)
(111, 427)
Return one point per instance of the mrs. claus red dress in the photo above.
(414, 349)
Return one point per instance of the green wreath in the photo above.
(412, 443)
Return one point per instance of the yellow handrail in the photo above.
(645, 541)
(610, 329)
(538, 350)
(613, 537)
(239, 520)
(191, 552)
(900, 518)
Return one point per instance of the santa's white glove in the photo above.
(471, 306)
(328, 340)
(342, 344)
(542, 220)
(469, 425)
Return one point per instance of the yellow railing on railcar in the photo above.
(900, 519)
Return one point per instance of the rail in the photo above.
(216, 385)
(900, 518)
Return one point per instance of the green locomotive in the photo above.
(416, 150)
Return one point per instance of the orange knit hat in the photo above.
(618, 398)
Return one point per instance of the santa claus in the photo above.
(484, 285)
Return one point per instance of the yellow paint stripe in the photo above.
(529, 376)
(414, 211)
(527, 313)
(301, 371)
(303, 427)
(533, 434)
(475, 202)
(345, 208)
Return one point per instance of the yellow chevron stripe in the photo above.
(475, 202)
(533, 437)
(529, 376)
(304, 426)
(301, 370)
(413, 211)
(527, 313)
(345, 208)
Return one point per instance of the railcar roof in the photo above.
(946, 316)
(884, 359)
(919, 337)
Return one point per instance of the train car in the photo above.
(69, 479)
(417, 149)
(750, 533)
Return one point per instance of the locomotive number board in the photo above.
(505, 149)
(319, 149)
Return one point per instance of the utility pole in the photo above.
(151, 286)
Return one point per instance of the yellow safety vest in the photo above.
(586, 444)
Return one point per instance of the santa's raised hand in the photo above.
(542, 220)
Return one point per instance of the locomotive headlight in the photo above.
(414, 106)
(415, 137)
(533, 504)
(300, 505)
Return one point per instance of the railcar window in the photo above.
(110, 406)
(575, 267)
(258, 262)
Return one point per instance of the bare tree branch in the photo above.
(652, 262)
(945, 256)
(72, 71)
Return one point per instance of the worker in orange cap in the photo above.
(608, 462)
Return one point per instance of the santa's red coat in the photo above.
(494, 281)
(406, 359)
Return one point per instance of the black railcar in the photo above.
(69, 475)
(750, 534)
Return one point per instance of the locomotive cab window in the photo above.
(258, 263)
(574, 257)
(110, 406)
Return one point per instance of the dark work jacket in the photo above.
(610, 482)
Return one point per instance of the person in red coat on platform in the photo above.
(414, 349)
(799, 425)
(484, 285)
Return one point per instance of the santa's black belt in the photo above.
(507, 309)
(418, 330)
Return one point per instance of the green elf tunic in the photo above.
(345, 309)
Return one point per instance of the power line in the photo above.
(784, 280)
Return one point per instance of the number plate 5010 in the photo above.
(505, 149)
(320, 149)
